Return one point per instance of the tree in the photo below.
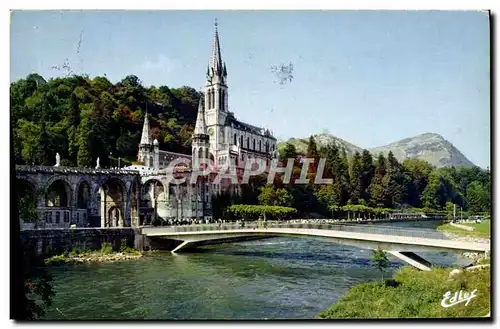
(356, 178)
(312, 153)
(368, 170)
(283, 198)
(84, 155)
(380, 261)
(378, 190)
(344, 177)
(395, 182)
(289, 152)
(418, 172)
(328, 195)
(478, 198)
(440, 189)
(267, 195)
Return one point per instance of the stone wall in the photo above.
(51, 242)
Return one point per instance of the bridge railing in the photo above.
(360, 228)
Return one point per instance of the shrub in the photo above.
(106, 248)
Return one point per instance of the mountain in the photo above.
(430, 147)
(321, 140)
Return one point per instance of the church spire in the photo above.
(146, 134)
(216, 60)
(201, 127)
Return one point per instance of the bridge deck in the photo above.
(361, 238)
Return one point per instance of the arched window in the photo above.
(253, 144)
(235, 139)
(248, 142)
(267, 147)
(241, 141)
(260, 146)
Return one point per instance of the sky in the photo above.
(368, 77)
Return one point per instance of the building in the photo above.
(218, 134)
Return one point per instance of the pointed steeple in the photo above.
(216, 60)
(201, 127)
(146, 134)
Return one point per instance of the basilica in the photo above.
(218, 135)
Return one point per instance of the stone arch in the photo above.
(58, 193)
(113, 193)
(155, 197)
(113, 217)
(24, 179)
(82, 194)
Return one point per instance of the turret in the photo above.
(200, 140)
(145, 147)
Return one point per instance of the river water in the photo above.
(277, 278)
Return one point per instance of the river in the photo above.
(278, 278)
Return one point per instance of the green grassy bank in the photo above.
(481, 230)
(414, 294)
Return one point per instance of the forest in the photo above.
(82, 119)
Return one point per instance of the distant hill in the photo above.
(430, 147)
(321, 140)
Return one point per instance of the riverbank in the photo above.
(480, 234)
(105, 254)
(415, 294)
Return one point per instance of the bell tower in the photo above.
(216, 95)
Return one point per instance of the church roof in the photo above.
(169, 156)
(240, 125)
